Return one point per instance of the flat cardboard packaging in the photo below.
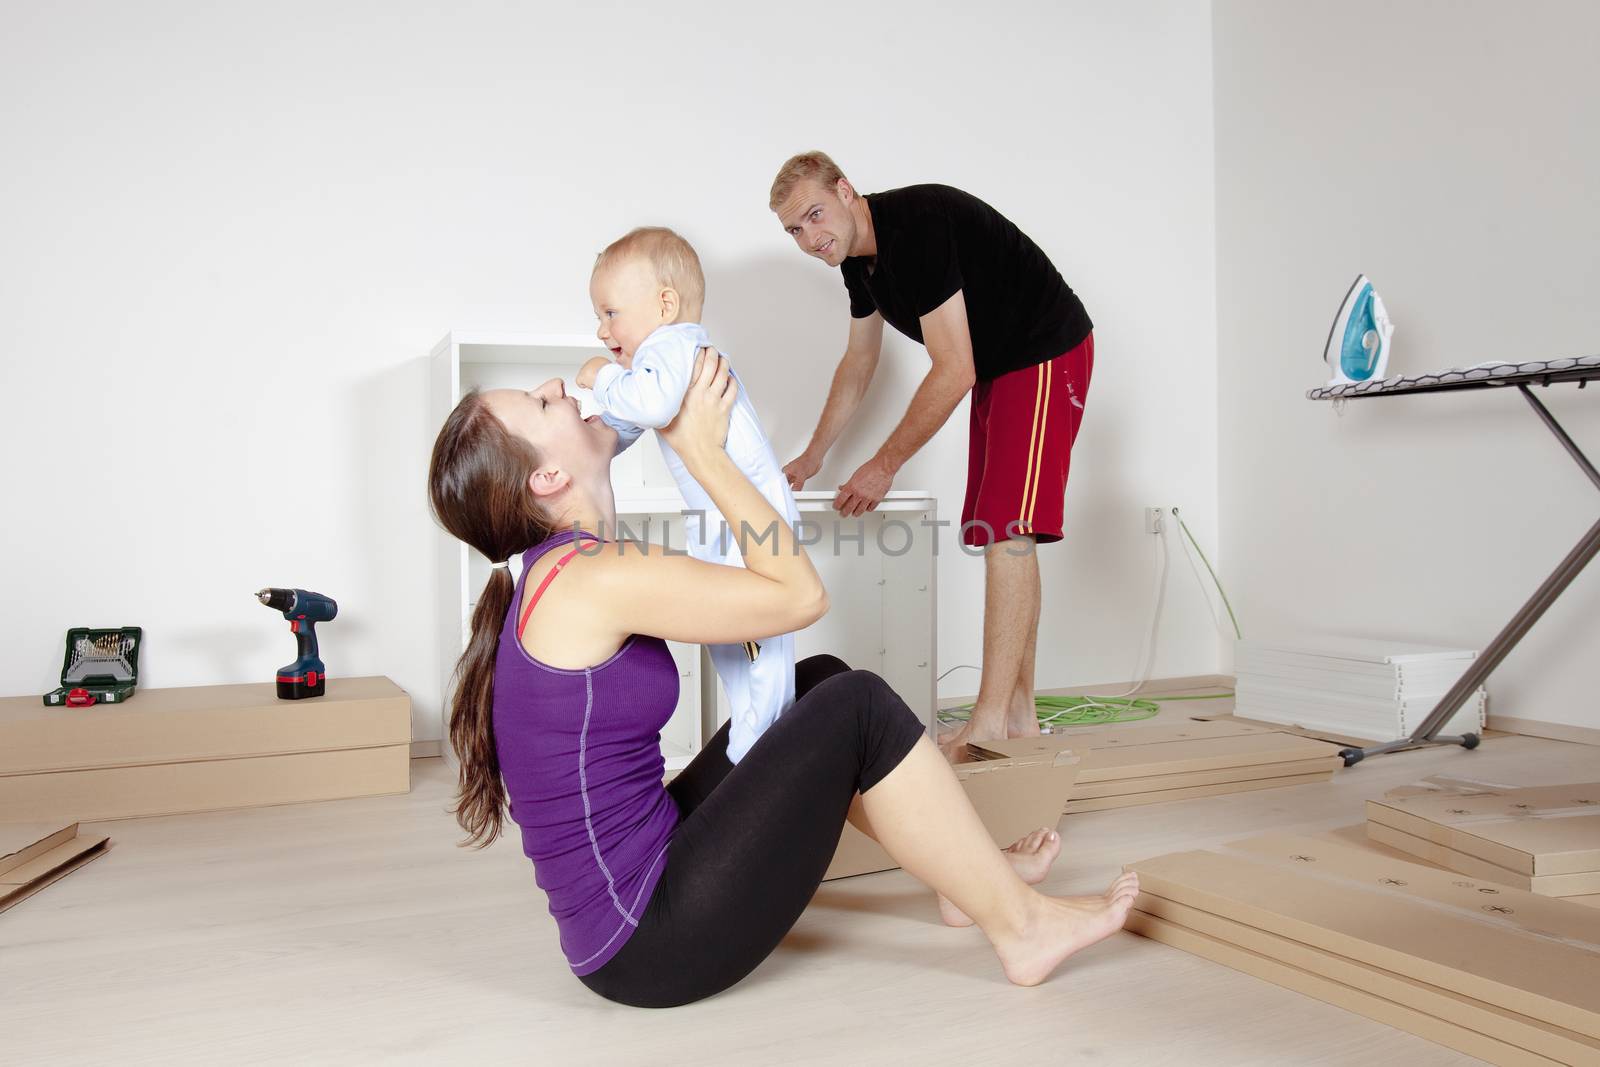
(1163, 796)
(1530, 955)
(1158, 782)
(1546, 885)
(1192, 746)
(1475, 1015)
(1535, 832)
(1350, 998)
(1012, 796)
(203, 748)
(33, 855)
(199, 723)
(1358, 836)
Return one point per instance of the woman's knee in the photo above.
(814, 670)
(821, 666)
(860, 695)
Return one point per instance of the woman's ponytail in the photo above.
(478, 488)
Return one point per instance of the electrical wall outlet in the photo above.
(1153, 520)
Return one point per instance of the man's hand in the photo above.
(800, 470)
(865, 489)
(590, 371)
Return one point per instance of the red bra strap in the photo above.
(527, 609)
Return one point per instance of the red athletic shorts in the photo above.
(1023, 426)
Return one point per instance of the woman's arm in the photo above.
(645, 590)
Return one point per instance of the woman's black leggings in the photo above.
(756, 838)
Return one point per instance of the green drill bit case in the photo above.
(102, 663)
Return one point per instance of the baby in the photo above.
(647, 290)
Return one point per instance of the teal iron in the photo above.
(1358, 343)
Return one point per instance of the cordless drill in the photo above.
(306, 676)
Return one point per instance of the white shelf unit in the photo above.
(881, 587)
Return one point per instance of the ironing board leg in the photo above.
(1520, 624)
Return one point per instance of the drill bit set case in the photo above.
(100, 667)
(202, 748)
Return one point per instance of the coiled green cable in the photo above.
(1056, 711)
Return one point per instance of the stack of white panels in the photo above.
(1368, 689)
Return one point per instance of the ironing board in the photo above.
(1519, 376)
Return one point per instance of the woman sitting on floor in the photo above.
(664, 895)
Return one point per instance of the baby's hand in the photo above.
(590, 371)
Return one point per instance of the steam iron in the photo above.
(1358, 343)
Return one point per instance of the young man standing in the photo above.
(949, 271)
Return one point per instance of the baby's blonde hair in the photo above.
(807, 166)
(671, 258)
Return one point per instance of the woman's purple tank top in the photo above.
(581, 758)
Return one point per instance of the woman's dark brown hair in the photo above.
(478, 487)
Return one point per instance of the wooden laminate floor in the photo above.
(357, 932)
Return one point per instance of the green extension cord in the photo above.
(1056, 711)
(1214, 579)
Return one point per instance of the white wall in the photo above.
(1449, 151)
(231, 234)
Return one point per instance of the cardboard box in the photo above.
(203, 748)
(1548, 885)
(1535, 832)
(33, 855)
(1350, 998)
(1164, 796)
(1012, 796)
(1529, 955)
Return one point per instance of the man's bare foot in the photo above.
(1030, 857)
(977, 729)
(1022, 718)
(1059, 926)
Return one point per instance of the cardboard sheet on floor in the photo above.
(1131, 752)
(1158, 782)
(1488, 1019)
(1547, 885)
(33, 855)
(1350, 998)
(1531, 955)
(1127, 766)
(1534, 831)
(1165, 796)
(1013, 797)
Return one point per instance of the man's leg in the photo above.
(1017, 477)
(1010, 624)
(1010, 609)
(1022, 717)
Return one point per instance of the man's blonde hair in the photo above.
(671, 258)
(807, 166)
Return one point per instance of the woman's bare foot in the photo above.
(1057, 927)
(1030, 857)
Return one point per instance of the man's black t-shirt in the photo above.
(933, 240)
